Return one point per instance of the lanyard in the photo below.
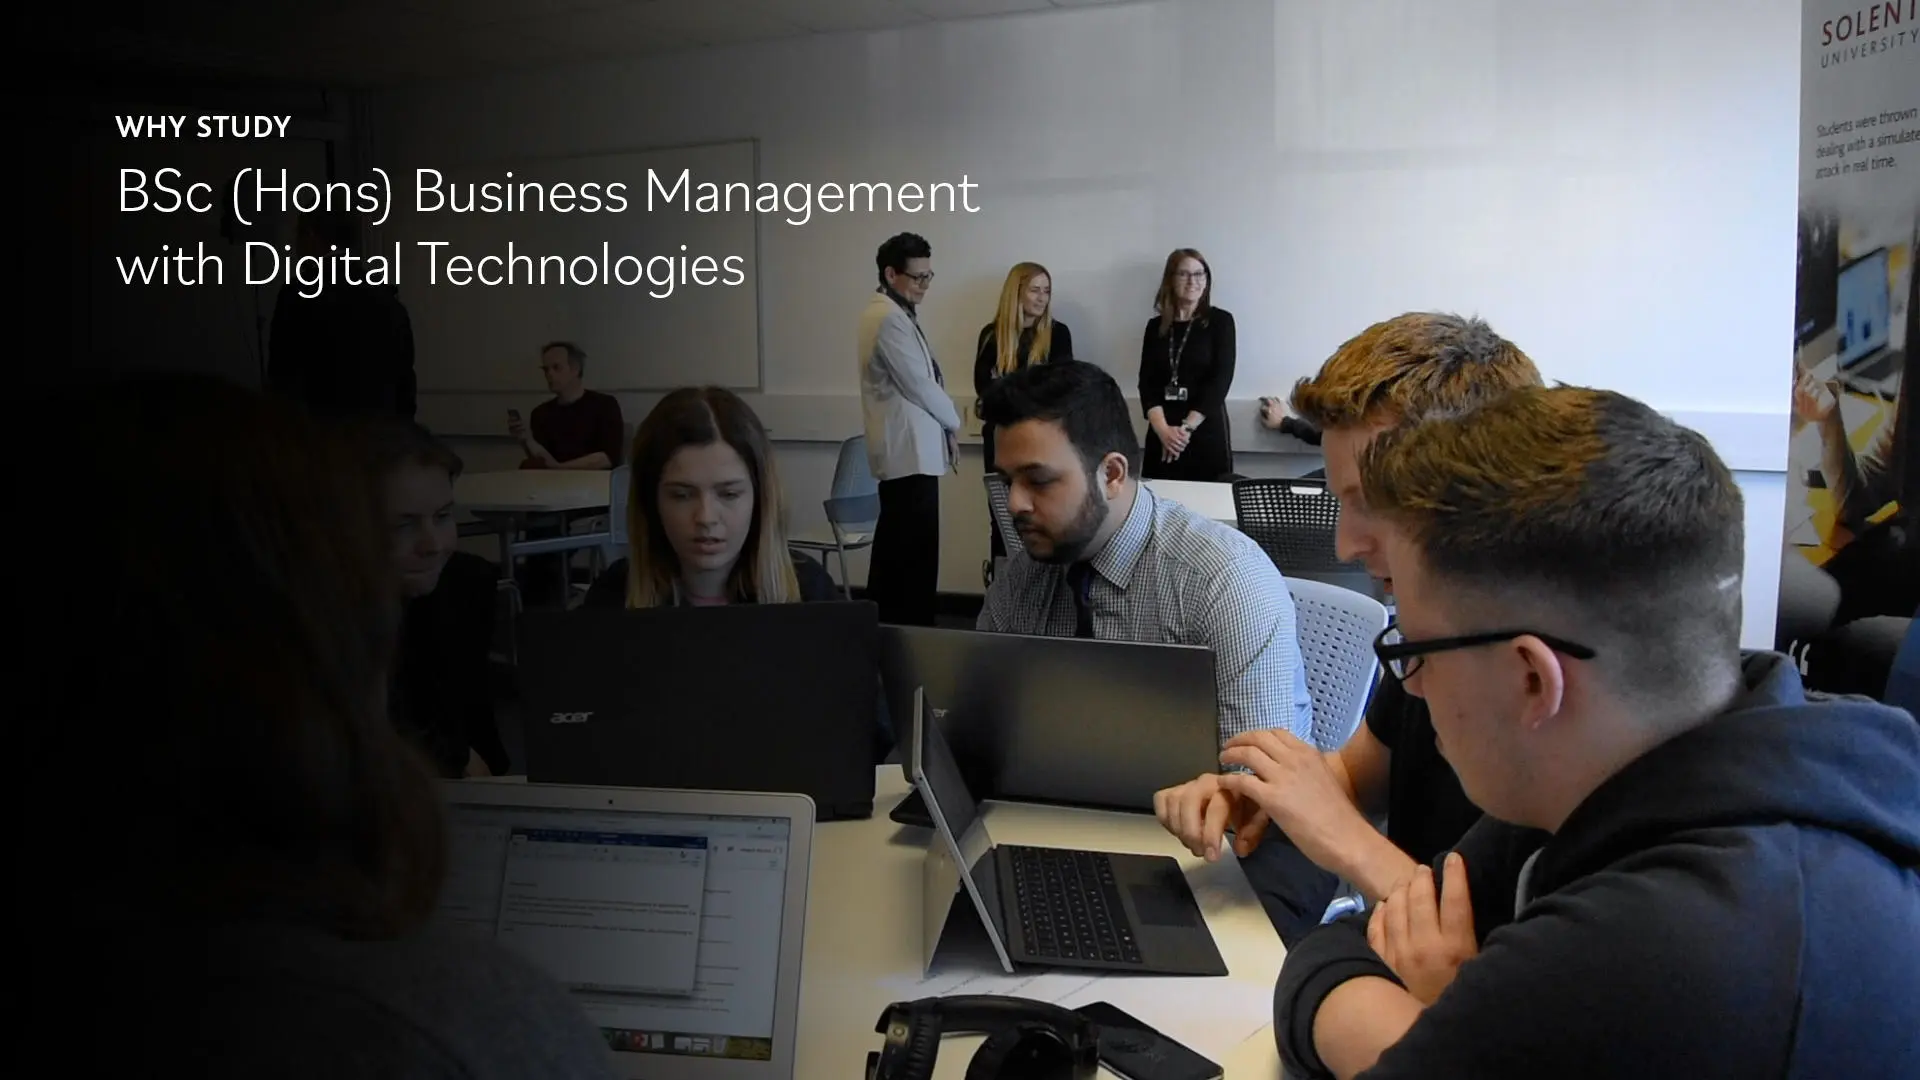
(1173, 355)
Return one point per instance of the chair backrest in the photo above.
(853, 505)
(1292, 519)
(1002, 515)
(853, 474)
(619, 491)
(1336, 628)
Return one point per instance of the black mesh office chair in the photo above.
(1293, 521)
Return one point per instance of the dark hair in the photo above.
(1080, 397)
(335, 227)
(574, 353)
(893, 254)
(393, 441)
(1588, 514)
(224, 695)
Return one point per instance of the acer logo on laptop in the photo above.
(570, 718)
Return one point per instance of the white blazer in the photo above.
(910, 419)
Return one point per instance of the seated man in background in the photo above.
(1730, 883)
(1403, 370)
(579, 428)
(1105, 558)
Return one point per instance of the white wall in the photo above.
(1612, 185)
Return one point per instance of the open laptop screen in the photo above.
(1863, 307)
(665, 926)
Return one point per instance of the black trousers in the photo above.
(903, 575)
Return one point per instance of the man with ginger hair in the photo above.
(1727, 881)
(1403, 370)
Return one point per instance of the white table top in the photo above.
(533, 491)
(863, 948)
(1213, 500)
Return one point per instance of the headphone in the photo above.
(1026, 1039)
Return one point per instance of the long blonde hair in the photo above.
(701, 416)
(1006, 325)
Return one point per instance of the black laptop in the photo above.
(1072, 721)
(1050, 907)
(748, 697)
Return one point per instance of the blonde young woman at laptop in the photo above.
(234, 856)
(704, 514)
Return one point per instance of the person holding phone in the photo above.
(579, 428)
(1187, 358)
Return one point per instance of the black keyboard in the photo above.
(1069, 905)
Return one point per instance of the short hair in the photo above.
(574, 353)
(244, 650)
(1410, 368)
(334, 227)
(1081, 397)
(897, 249)
(392, 441)
(1587, 513)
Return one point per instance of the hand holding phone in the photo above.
(1137, 1052)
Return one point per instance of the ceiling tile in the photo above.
(835, 16)
(968, 9)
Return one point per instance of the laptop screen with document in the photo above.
(666, 915)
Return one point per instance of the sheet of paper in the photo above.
(1210, 1016)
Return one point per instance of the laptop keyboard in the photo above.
(1069, 905)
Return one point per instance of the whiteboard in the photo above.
(644, 334)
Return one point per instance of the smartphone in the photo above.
(513, 416)
(1138, 1052)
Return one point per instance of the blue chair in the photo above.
(853, 510)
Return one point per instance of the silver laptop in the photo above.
(675, 918)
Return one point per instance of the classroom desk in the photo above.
(503, 501)
(533, 491)
(863, 947)
(1211, 499)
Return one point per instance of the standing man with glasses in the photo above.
(912, 428)
(1404, 370)
(1688, 866)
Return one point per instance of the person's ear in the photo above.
(1546, 680)
(1113, 474)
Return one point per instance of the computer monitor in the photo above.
(675, 918)
(1864, 308)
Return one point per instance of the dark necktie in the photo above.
(1080, 580)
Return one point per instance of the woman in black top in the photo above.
(704, 513)
(1186, 369)
(1023, 332)
(440, 692)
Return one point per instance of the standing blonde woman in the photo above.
(1023, 332)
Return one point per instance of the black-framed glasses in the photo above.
(923, 277)
(1402, 657)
